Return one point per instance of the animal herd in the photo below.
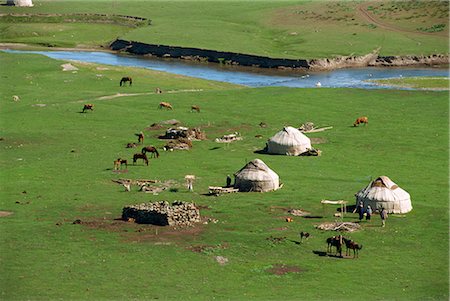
(336, 242)
(142, 155)
(339, 241)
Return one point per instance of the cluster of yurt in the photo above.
(256, 176)
(383, 193)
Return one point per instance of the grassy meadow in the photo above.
(286, 29)
(57, 167)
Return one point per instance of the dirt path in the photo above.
(362, 11)
(117, 95)
(5, 213)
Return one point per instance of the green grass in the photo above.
(434, 83)
(56, 167)
(309, 29)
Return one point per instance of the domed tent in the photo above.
(256, 176)
(289, 141)
(383, 193)
(20, 2)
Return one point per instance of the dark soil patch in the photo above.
(281, 269)
(164, 234)
(133, 232)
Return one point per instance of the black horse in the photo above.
(126, 79)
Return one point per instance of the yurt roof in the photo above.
(256, 170)
(290, 136)
(20, 2)
(383, 189)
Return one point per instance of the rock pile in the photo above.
(184, 132)
(163, 214)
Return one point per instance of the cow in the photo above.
(360, 120)
(88, 107)
(195, 108)
(166, 105)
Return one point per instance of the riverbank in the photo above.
(230, 58)
(32, 47)
(416, 83)
(237, 59)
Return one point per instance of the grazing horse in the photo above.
(87, 107)
(195, 108)
(335, 241)
(140, 137)
(166, 105)
(126, 79)
(140, 156)
(304, 234)
(118, 163)
(352, 245)
(152, 150)
(131, 145)
(361, 120)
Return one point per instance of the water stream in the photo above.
(253, 77)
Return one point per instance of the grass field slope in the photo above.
(286, 29)
(57, 167)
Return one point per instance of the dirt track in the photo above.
(368, 17)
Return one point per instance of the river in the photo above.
(252, 77)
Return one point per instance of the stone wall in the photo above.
(162, 213)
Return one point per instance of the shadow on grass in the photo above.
(326, 254)
(295, 241)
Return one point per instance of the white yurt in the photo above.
(256, 176)
(289, 141)
(383, 193)
(20, 2)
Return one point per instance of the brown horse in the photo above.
(140, 137)
(195, 108)
(166, 105)
(352, 245)
(152, 150)
(361, 120)
(140, 156)
(119, 162)
(126, 79)
(88, 107)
